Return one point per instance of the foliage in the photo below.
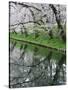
(53, 43)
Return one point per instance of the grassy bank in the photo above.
(54, 43)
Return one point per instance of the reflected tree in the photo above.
(58, 70)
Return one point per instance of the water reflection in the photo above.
(31, 65)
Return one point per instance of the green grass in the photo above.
(41, 40)
(41, 51)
